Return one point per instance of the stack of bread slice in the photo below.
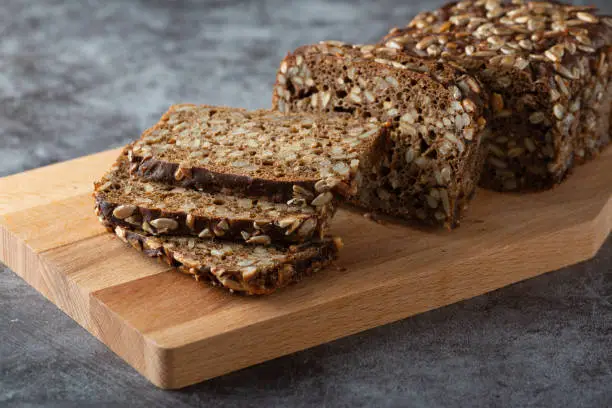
(241, 198)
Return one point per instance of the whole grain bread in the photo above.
(438, 114)
(159, 208)
(300, 159)
(547, 65)
(247, 269)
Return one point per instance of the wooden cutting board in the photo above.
(176, 331)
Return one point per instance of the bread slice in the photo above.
(251, 270)
(159, 208)
(438, 114)
(297, 158)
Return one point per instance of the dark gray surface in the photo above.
(79, 77)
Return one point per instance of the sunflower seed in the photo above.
(497, 102)
(181, 173)
(469, 105)
(120, 232)
(410, 155)
(445, 201)
(425, 42)
(248, 272)
(521, 63)
(555, 53)
(559, 111)
(526, 44)
(321, 186)
(564, 71)
(325, 97)
(258, 225)
(123, 211)
(472, 84)
(307, 228)
(497, 162)
(369, 96)
(259, 240)
(190, 221)
(355, 98)
(537, 117)
(222, 225)
(530, 145)
(562, 85)
(298, 202)
(587, 17)
(205, 233)
(496, 150)
(286, 222)
(392, 81)
(165, 223)
(554, 95)
(516, 152)
(301, 192)
(153, 243)
(322, 199)
(333, 43)
(432, 201)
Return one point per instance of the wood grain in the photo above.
(177, 332)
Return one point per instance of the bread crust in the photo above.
(547, 65)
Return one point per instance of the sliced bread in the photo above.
(247, 269)
(298, 157)
(438, 115)
(159, 208)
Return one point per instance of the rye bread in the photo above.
(547, 66)
(158, 208)
(246, 269)
(437, 111)
(298, 158)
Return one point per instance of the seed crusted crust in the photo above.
(437, 115)
(249, 270)
(162, 209)
(255, 153)
(548, 67)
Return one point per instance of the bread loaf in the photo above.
(438, 115)
(547, 65)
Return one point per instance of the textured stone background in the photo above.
(78, 77)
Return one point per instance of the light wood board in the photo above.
(176, 331)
